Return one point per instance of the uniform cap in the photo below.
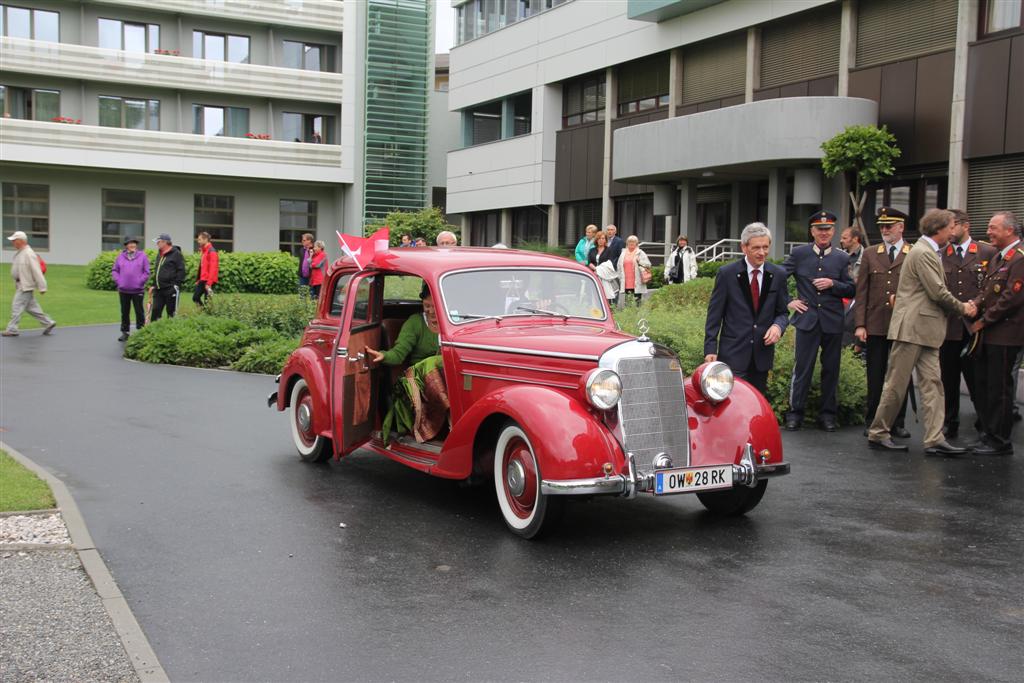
(822, 218)
(888, 215)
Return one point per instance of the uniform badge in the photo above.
(973, 249)
(996, 289)
(1017, 286)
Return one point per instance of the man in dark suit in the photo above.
(748, 310)
(963, 261)
(822, 280)
(615, 243)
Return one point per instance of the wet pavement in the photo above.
(231, 554)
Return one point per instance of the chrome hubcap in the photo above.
(304, 417)
(516, 477)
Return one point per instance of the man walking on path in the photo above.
(28, 279)
(130, 273)
(822, 281)
(747, 313)
(209, 267)
(917, 330)
(1001, 330)
(170, 275)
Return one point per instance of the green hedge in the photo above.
(677, 314)
(272, 272)
(287, 315)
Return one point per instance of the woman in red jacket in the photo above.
(209, 265)
(317, 269)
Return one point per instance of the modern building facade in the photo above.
(255, 121)
(699, 116)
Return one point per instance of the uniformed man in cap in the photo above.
(1000, 330)
(877, 280)
(964, 262)
(822, 281)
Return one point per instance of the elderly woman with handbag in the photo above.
(634, 270)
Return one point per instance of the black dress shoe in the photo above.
(944, 448)
(887, 445)
(123, 337)
(829, 425)
(985, 449)
(792, 425)
(900, 433)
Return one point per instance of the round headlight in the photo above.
(716, 381)
(603, 389)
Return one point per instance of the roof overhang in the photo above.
(738, 142)
(660, 10)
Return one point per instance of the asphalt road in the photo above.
(230, 553)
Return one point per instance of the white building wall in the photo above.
(445, 135)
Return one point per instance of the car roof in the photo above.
(432, 262)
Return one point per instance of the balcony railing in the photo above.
(320, 14)
(100, 64)
(43, 142)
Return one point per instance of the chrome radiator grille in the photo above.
(652, 410)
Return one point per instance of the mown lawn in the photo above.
(20, 489)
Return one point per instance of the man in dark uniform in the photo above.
(964, 262)
(1000, 327)
(877, 280)
(822, 280)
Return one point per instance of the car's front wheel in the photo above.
(527, 512)
(311, 446)
(736, 501)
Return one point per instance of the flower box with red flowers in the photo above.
(257, 136)
(66, 119)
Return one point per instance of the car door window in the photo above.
(363, 311)
(338, 295)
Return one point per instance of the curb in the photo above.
(136, 645)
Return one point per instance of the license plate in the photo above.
(689, 479)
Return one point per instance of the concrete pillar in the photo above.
(743, 209)
(688, 208)
(966, 29)
(835, 199)
(508, 124)
(753, 81)
(675, 80)
(671, 233)
(506, 227)
(735, 217)
(611, 97)
(553, 225)
(777, 211)
(847, 45)
(466, 222)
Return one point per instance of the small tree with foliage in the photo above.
(425, 223)
(864, 154)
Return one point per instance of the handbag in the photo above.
(645, 275)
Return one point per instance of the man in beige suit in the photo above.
(917, 330)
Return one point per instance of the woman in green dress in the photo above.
(420, 398)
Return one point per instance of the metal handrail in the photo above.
(720, 250)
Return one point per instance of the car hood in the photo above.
(555, 339)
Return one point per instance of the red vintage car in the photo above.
(549, 400)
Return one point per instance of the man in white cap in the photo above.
(28, 278)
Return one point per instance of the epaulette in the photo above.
(906, 248)
(949, 250)
(881, 248)
(973, 249)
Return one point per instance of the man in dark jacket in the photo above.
(747, 313)
(615, 244)
(822, 280)
(168, 278)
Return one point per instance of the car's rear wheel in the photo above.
(527, 512)
(736, 501)
(311, 446)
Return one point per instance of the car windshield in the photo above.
(471, 295)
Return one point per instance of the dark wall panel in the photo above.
(932, 108)
(579, 163)
(732, 102)
(823, 87)
(563, 165)
(1015, 98)
(578, 181)
(988, 69)
(766, 94)
(896, 106)
(794, 90)
(595, 160)
(867, 83)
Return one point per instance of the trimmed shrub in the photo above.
(287, 315)
(198, 341)
(709, 268)
(266, 357)
(272, 272)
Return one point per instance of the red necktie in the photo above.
(755, 291)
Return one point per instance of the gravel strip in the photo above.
(53, 625)
(45, 529)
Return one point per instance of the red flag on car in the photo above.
(363, 249)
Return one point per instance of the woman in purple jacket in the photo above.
(130, 273)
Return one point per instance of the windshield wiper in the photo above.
(476, 316)
(542, 311)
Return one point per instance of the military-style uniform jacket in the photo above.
(964, 278)
(1001, 302)
(824, 308)
(876, 287)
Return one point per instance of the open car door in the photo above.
(353, 380)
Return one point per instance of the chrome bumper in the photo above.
(747, 473)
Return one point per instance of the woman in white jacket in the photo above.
(634, 270)
(681, 265)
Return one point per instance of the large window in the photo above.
(124, 112)
(298, 216)
(583, 100)
(574, 217)
(643, 85)
(29, 104)
(124, 215)
(215, 214)
(479, 17)
(485, 123)
(485, 228)
(35, 24)
(529, 226)
(315, 128)
(635, 216)
(232, 122)
(27, 208)
(221, 47)
(128, 36)
(1000, 15)
(308, 56)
